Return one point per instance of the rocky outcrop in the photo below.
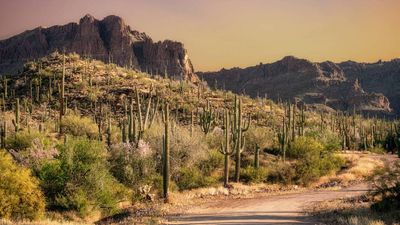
(109, 39)
(325, 84)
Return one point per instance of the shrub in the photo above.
(386, 182)
(282, 172)
(132, 165)
(186, 150)
(258, 136)
(191, 177)
(314, 160)
(79, 179)
(327, 138)
(20, 196)
(213, 161)
(78, 126)
(253, 175)
(24, 140)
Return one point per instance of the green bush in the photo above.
(79, 179)
(132, 165)
(327, 138)
(281, 172)
(258, 136)
(314, 160)
(78, 126)
(253, 175)
(213, 162)
(20, 196)
(186, 149)
(24, 140)
(191, 177)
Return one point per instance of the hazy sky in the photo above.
(227, 33)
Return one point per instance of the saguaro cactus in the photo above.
(282, 137)
(238, 130)
(17, 119)
(166, 154)
(207, 119)
(226, 149)
(62, 97)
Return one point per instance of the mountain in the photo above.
(109, 39)
(370, 88)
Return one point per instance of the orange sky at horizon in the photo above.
(228, 33)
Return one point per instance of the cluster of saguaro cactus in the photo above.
(137, 122)
(287, 133)
(207, 119)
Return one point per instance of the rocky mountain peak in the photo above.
(87, 19)
(106, 39)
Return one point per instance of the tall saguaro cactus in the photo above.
(226, 149)
(17, 118)
(207, 119)
(166, 151)
(238, 129)
(62, 97)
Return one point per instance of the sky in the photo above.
(229, 33)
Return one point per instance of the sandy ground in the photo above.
(280, 209)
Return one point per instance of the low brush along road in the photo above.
(279, 209)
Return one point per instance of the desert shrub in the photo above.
(24, 140)
(281, 172)
(386, 182)
(215, 138)
(253, 175)
(132, 165)
(20, 196)
(314, 160)
(327, 138)
(186, 150)
(213, 161)
(40, 150)
(191, 177)
(79, 179)
(258, 136)
(78, 126)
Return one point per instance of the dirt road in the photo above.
(281, 209)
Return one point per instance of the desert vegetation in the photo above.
(82, 137)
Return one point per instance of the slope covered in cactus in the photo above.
(79, 123)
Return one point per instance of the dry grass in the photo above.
(352, 211)
(359, 167)
(43, 222)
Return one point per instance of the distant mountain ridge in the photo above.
(370, 87)
(109, 39)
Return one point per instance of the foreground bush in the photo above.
(20, 197)
(314, 160)
(190, 178)
(253, 175)
(133, 166)
(79, 179)
(387, 188)
(24, 140)
(78, 126)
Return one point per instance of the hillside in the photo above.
(109, 40)
(93, 140)
(327, 86)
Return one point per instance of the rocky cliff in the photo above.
(109, 39)
(326, 86)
